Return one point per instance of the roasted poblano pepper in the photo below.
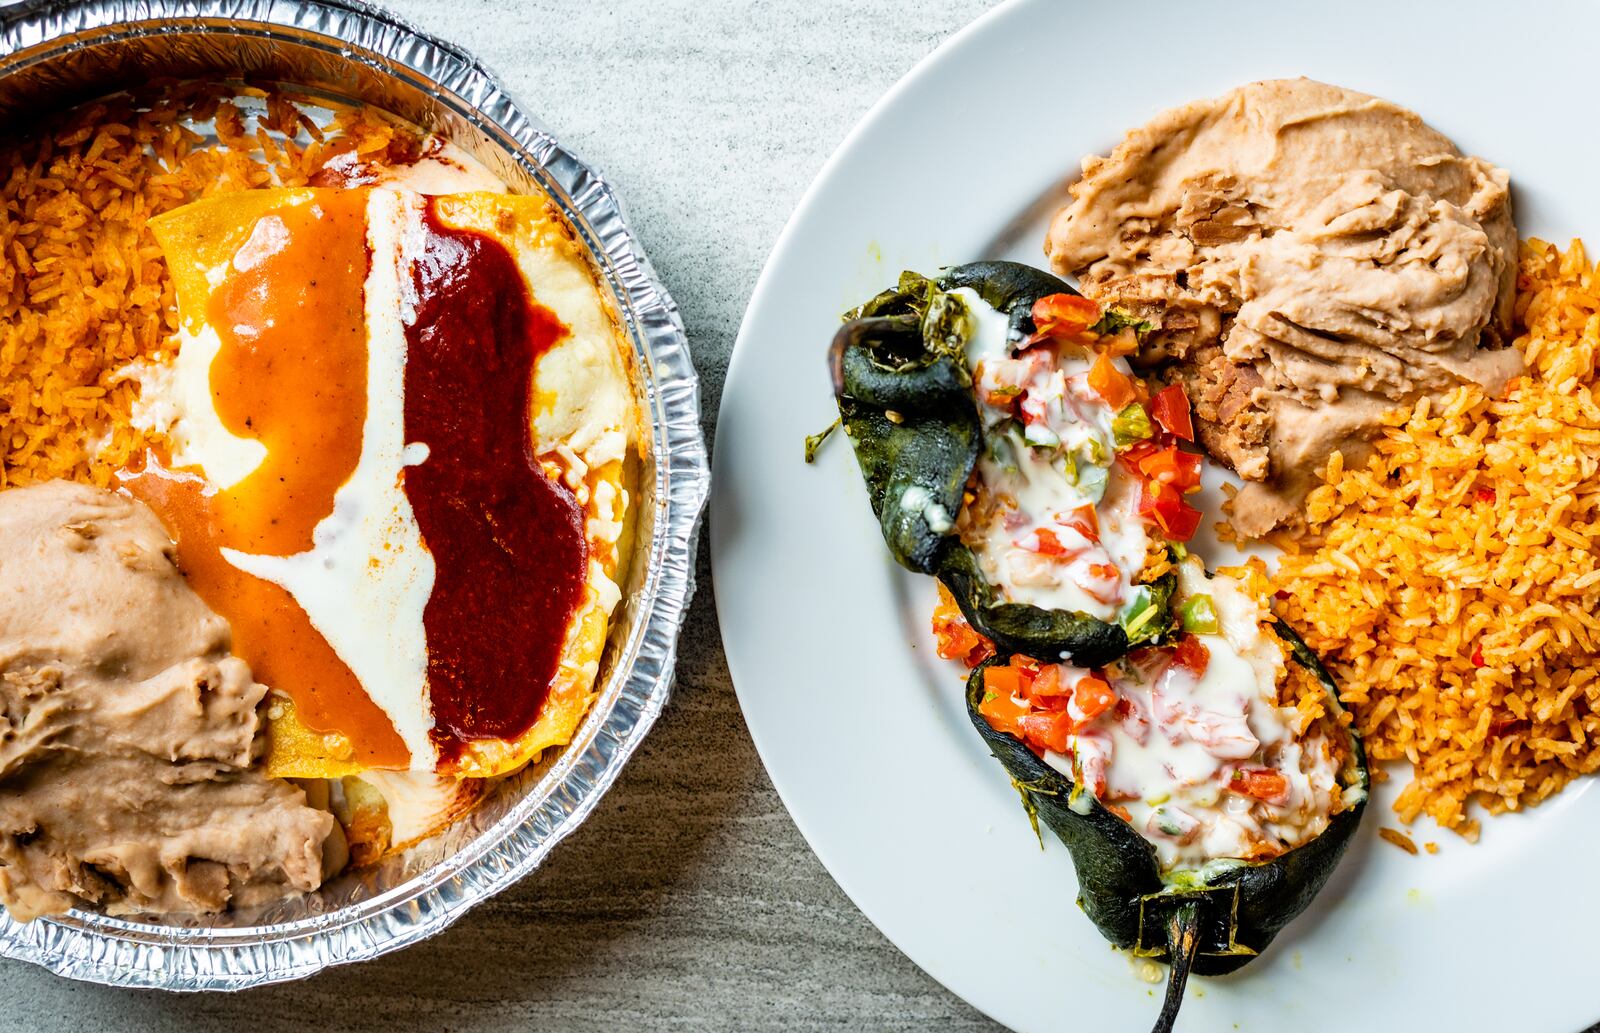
(1209, 921)
(906, 401)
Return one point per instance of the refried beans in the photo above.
(1309, 258)
(129, 734)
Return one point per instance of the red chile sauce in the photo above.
(508, 543)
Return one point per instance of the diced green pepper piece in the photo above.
(1138, 613)
(1069, 467)
(1131, 424)
(1039, 436)
(1198, 615)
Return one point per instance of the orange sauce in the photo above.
(291, 373)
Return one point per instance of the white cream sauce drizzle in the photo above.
(365, 582)
(1169, 755)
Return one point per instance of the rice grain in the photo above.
(1452, 582)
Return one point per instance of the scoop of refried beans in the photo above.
(1310, 258)
(129, 734)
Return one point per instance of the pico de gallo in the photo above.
(1084, 471)
(1211, 745)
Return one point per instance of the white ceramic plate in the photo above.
(862, 728)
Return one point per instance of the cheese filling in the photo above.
(1055, 521)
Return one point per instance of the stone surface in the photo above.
(688, 900)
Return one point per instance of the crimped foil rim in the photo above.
(111, 951)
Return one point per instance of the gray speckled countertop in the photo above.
(688, 900)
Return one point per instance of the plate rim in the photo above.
(765, 283)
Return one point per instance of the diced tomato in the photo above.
(1050, 545)
(1111, 384)
(1002, 681)
(1065, 316)
(1051, 704)
(1002, 711)
(1477, 655)
(1147, 661)
(1118, 345)
(1190, 654)
(1182, 525)
(1484, 494)
(954, 638)
(1184, 468)
(1131, 717)
(1120, 811)
(1170, 408)
(1027, 669)
(1091, 758)
(1085, 521)
(1104, 583)
(1187, 465)
(1162, 504)
(1029, 700)
(1047, 683)
(1093, 697)
(1001, 397)
(1137, 453)
(957, 641)
(1261, 784)
(1172, 465)
(1048, 729)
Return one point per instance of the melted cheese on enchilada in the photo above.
(402, 439)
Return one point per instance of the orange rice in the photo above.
(84, 291)
(1453, 582)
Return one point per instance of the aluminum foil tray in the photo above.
(55, 54)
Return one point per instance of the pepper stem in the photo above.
(1183, 941)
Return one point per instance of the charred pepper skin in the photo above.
(1211, 926)
(906, 402)
(908, 408)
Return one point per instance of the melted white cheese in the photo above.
(918, 499)
(990, 336)
(419, 803)
(447, 170)
(175, 401)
